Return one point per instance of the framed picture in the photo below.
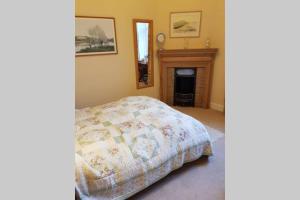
(95, 36)
(185, 24)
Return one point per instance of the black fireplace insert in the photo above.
(184, 86)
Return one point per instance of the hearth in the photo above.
(184, 86)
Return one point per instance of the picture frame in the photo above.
(185, 24)
(95, 36)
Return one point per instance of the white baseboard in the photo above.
(217, 107)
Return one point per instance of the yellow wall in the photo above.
(212, 27)
(101, 79)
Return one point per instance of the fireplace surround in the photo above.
(201, 60)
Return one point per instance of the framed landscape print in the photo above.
(95, 36)
(185, 24)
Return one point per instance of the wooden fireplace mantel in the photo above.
(200, 59)
(210, 52)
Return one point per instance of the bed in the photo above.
(124, 146)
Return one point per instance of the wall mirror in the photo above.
(143, 50)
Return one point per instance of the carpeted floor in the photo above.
(203, 179)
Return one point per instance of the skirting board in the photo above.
(217, 107)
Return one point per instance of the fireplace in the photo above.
(184, 86)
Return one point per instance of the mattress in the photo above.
(124, 146)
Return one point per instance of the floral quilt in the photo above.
(124, 146)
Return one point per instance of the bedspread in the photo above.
(124, 146)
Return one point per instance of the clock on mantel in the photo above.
(160, 39)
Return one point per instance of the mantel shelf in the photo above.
(187, 52)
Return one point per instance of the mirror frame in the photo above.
(150, 50)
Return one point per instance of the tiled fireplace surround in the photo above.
(200, 59)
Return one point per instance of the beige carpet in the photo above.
(203, 179)
(214, 134)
